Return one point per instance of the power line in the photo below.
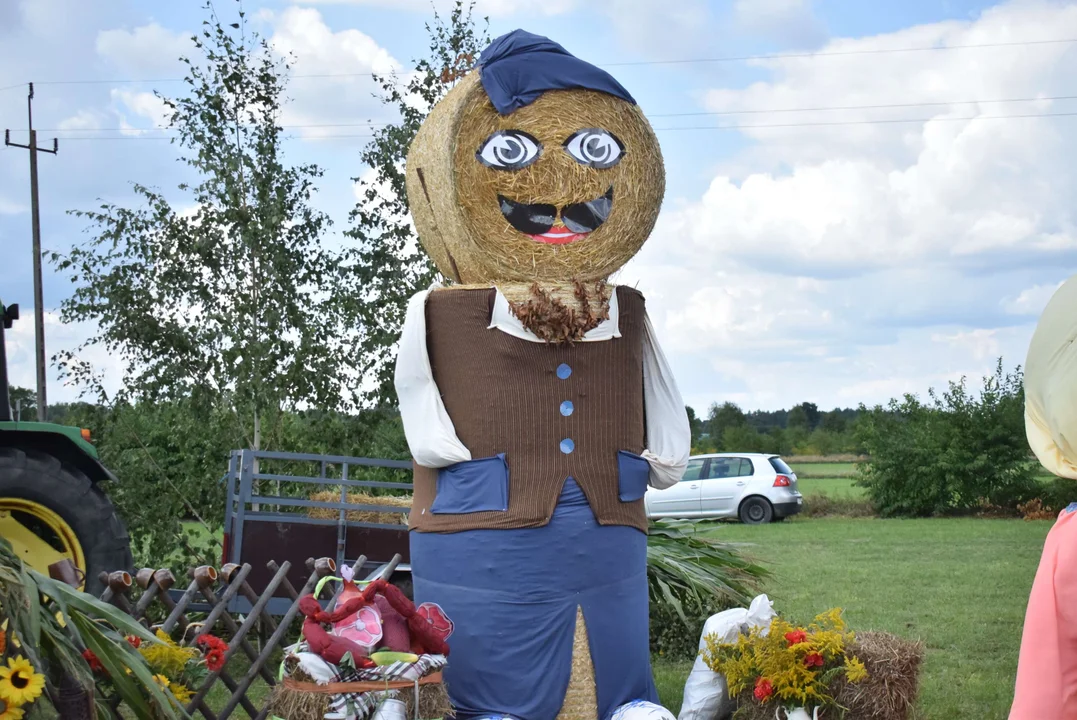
(940, 103)
(891, 121)
(834, 53)
(888, 121)
(750, 111)
(682, 61)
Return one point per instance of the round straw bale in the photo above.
(455, 199)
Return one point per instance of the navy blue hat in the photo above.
(518, 67)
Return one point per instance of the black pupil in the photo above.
(512, 151)
(595, 148)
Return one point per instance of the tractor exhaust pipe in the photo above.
(10, 314)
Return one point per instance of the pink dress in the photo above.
(1047, 668)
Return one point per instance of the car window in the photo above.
(729, 467)
(695, 467)
(779, 465)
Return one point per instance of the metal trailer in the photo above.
(259, 527)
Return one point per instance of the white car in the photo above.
(754, 487)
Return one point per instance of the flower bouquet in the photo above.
(788, 666)
(177, 669)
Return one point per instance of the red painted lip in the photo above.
(557, 236)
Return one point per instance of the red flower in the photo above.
(763, 689)
(134, 641)
(95, 664)
(813, 660)
(795, 637)
(211, 642)
(214, 659)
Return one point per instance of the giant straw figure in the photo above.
(536, 401)
(1047, 668)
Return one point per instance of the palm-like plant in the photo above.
(50, 624)
(686, 566)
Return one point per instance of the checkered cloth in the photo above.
(361, 705)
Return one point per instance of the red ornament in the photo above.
(763, 689)
(134, 641)
(795, 637)
(813, 660)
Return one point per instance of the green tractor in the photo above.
(51, 502)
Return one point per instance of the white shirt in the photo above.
(429, 429)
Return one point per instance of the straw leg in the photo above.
(581, 699)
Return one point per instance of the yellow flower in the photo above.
(9, 711)
(19, 684)
(181, 692)
(855, 670)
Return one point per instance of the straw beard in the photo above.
(553, 321)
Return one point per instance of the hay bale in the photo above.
(433, 702)
(295, 704)
(358, 498)
(454, 198)
(581, 698)
(888, 693)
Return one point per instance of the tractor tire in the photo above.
(66, 491)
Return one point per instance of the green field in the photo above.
(960, 585)
(824, 469)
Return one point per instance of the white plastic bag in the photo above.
(705, 693)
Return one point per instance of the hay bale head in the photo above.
(568, 186)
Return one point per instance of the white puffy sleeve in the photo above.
(669, 435)
(429, 429)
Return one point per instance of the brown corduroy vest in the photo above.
(506, 395)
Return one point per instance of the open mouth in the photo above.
(540, 221)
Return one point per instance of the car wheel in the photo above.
(756, 511)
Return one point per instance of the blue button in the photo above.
(564, 371)
(567, 408)
(567, 446)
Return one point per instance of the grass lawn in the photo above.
(824, 469)
(835, 487)
(960, 585)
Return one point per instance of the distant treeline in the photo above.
(800, 430)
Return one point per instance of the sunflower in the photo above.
(182, 693)
(19, 684)
(9, 711)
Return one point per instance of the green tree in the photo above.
(696, 424)
(951, 454)
(722, 417)
(833, 421)
(387, 265)
(228, 303)
(798, 419)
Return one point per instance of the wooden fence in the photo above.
(146, 596)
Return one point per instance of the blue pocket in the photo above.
(473, 486)
(633, 473)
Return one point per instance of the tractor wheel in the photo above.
(50, 511)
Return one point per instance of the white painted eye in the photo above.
(595, 148)
(509, 150)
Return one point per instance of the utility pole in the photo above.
(35, 221)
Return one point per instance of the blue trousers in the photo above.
(513, 597)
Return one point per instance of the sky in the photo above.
(863, 199)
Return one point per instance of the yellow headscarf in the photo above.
(1051, 384)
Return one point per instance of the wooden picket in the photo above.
(147, 594)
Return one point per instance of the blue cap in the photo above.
(520, 66)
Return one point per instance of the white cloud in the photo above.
(840, 264)
(1031, 301)
(493, 8)
(145, 105)
(10, 207)
(318, 50)
(147, 51)
(787, 21)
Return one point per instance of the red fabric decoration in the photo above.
(395, 635)
(424, 637)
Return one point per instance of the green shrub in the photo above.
(952, 455)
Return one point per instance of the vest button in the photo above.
(564, 371)
(567, 446)
(567, 408)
